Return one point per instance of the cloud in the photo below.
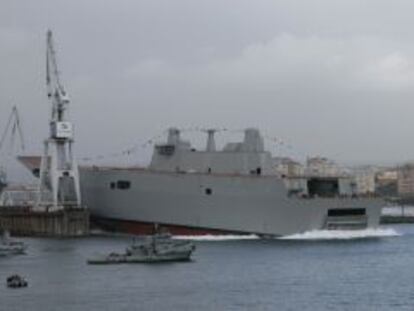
(392, 71)
(310, 61)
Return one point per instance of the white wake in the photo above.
(310, 235)
(211, 237)
(343, 234)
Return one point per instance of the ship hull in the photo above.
(214, 204)
(147, 228)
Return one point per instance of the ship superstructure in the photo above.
(244, 158)
(230, 190)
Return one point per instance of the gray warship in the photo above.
(233, 190)
(149, 249)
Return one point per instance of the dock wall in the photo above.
(24, 221)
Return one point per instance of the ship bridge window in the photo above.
(123, 184)
(323, 187)
(166, 150)
(346, 212)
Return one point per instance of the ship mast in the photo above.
(59, 176)
(211, 143)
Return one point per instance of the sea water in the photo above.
(323, 270)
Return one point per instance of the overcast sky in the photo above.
(332, 78)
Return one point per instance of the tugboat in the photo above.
(150, 249)
(10, 247)
(16, 281)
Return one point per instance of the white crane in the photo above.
(59, 176)
(12, 129)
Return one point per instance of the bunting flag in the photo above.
(285, 146)
(125, 152)
(140, 146)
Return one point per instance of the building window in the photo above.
(112, 185)
(123, 184)
(208, 191)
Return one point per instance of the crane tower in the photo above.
(59, 177)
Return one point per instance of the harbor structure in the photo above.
(59, 177)
(365, 179)
(322, 166)
(291, 172)
(57, 210)
(11, 132)
(285, 166)
(386, 182)
(406, 180)
(19, 195)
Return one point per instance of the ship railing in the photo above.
(335, 196)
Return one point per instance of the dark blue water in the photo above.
(355, 274)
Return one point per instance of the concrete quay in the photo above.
(25, 221)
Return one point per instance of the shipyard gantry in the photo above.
(57, 210)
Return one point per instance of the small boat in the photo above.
(150, 249)
(16, 281)
(10, 247)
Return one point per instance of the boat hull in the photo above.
(105, 260)
(211, 203)
(147, 228)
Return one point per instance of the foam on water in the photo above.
(310, 235)
(342, 234)
(210, 237)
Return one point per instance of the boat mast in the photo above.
(59, 177)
